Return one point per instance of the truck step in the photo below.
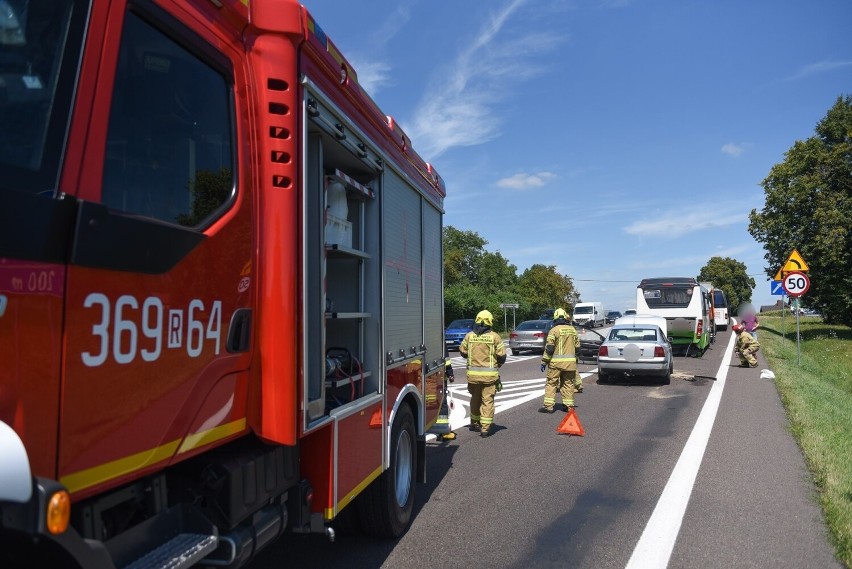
(183, 550)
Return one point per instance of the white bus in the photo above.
(685, 305)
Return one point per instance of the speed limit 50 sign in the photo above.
(796, 284)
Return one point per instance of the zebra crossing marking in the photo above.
(520, 392)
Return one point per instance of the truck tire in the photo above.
(385, 507)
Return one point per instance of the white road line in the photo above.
(654, 548)
(500, 403)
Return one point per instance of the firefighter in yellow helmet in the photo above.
(746, 346)
(485, 353)
(560, 361)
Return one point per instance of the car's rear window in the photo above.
(532, 325)
(719, 299)
(633, 335)
(461, 324)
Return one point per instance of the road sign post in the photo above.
(796, 284)
(513, 306)
(795, 263)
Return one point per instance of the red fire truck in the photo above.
(221, 299)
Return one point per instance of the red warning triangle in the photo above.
(570, 425)
(376, 419)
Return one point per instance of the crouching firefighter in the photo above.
(560, 361)
(746, 346)
(485, 353)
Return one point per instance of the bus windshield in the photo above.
(667, 296)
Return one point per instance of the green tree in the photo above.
(731, 276)
(541, 287)
(474, 278)
(462, 251)
(808, 207)
(210, 189)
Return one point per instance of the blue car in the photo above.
(456, 332)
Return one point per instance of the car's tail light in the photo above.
(603, 351)
(659, 352)
(700, 328)
(513, 335)
(539, 334)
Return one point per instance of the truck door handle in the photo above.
(239, 334)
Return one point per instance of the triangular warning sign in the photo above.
(570, 425)
(376, 419)
(778, 276)
(795, 263)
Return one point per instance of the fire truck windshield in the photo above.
(40, 43)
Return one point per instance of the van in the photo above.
(684, 303)
(589, 314)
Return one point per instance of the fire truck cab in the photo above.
(221, 304)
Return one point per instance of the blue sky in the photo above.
(615, 139)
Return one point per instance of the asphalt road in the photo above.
(529, 497)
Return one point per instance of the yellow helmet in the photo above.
(560, 313)
(484, 317)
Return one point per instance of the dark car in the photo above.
(456, 331)
(547, 314)
(590, 342)
(612, 315)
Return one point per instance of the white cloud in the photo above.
(460, 108)
(678, 223)
(523, 181)
(733, 149)
(372, 75)
(819, 67)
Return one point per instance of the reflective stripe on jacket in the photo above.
(560, 350)
(482, 352)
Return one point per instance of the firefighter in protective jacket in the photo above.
(745, 347)
(560, 361)
(485, 353)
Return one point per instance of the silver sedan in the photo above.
(635, 349)
(530, 335)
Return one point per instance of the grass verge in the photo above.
(815, 384)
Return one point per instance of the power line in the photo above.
(637, 280)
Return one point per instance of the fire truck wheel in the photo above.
(385, 507)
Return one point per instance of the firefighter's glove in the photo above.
(499, 385)
(543, 367)
(451, 376)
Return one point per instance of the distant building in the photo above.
(779, 305)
